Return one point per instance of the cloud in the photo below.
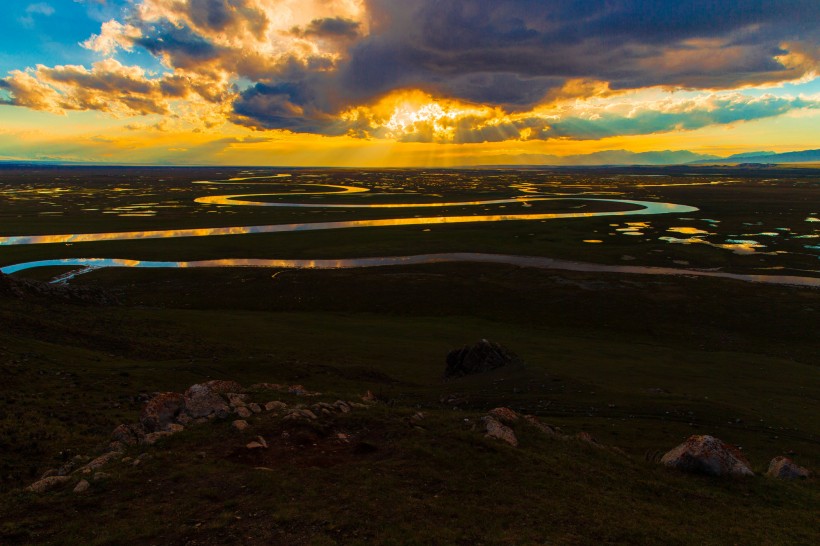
(40, 8)
(482, 70)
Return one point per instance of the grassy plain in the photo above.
(640, 362)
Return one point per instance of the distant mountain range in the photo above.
(604, 158)
(806, 156)
(665, 157)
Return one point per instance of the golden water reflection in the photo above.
(644, 208)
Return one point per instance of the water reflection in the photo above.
(644, 208)
(522, 261)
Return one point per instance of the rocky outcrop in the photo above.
(495, 429)
(161, 411)
(204, 400)
(129, 435)
(707, 455)
(478, 358)
(786, 469)
(47, 484)
(505, 415)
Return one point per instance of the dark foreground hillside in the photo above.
(622, 369)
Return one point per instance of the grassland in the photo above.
(639, 362)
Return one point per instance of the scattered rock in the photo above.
(100, 476)
(49, 473)
(342, 406)
(300, 414)
(588, 438)
(454, 399)
(119, 447)
(100, 462)
(161, 410)
(299, 390)
(47, 484)
(262, 441)
(369, 397)
(237, 400)
(496, 430)
(128, 434)
(505, 415)
(82, 486)
(254, 445)
(224, 387)
(268, 387)
(707, 455)
(240, 424)
(786, 469)
(254, 407)
(154, 437)
(478, 358)
(173, 428)
(275, 405)
(202, 400)
(543, 427)
(243, 412)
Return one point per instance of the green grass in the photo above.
(639, 362)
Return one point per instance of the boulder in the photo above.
(153, 437)
(495, 429)
(543, 427)
(128, 434)
(275, 405)
(236, 400)
(82, 486)
(505, 415)
(707, 455)
(254, 407)
(239, 424)
(161, 410)
(100, 462)
(478, 358)
(786, 469)
(201, 400)
(243, 412)
(47, 484)
(224, 387)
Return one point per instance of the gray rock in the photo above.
(240, 424)
(505, 415)
(161, 411)
(254, 407)
(275, 405)
(154, 437)
(82, 486)
(48, 484)
(495, 429)
(478, 358)
(100, 462)
(237, 400)
(201, 401)
(786, 469)
(707, 455)
(243, 412)
(543, 427)
(128, 434)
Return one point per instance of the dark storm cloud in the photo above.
(514, 53)
(445, 43)
(331, 27)
(509, 54)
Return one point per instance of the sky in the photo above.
(391, 83)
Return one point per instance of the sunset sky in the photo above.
(404, 82)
